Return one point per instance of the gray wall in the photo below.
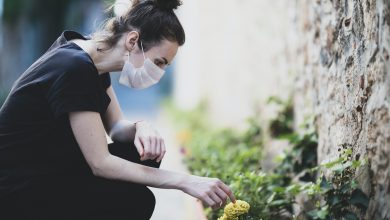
(343, 78)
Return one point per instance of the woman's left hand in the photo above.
(150, 145)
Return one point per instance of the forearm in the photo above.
(123, 131)
(113, 167)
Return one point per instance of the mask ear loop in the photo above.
(128, 56)
(143, 50)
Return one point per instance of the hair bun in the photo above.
(167, 4)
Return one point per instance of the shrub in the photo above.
(234, 157)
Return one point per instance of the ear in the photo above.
(131, 40)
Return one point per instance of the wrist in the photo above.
(183, 182)
(135, 123)
(139, 123)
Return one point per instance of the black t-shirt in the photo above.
(36, 139)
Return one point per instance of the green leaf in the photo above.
(277, 189)
(271, 198)
(334, 199)
(279, 202)
(356, 164)
(333, 163)
(346, 187)
(350, 216)
(319, 214)
(325, 185)
(359, 199)
(354, 184)
(348, 152)
(322, 213)
(293, 189)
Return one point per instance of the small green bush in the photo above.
(282, 124)
(234, 157)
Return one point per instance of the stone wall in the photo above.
(341, 58)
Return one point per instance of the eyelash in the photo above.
(159, 63)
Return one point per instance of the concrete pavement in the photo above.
(173, 204)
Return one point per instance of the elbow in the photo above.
(97, 171)
(99, 167)
(114, 131)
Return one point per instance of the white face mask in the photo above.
(143, 77)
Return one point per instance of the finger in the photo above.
(158, 148)
(216, 200)
(229, 192)
(208, 201)
(222, 195)
(153, 146)
(163, 151)
(145, 142)
(139, 147)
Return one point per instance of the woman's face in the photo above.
(161, 54)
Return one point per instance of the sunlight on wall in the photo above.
(234, 56)
(188, 79)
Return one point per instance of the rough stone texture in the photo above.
(343, 78)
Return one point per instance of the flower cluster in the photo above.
(233, 210)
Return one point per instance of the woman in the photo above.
(55, 162)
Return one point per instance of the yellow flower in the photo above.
(224, 217)
(233, 210)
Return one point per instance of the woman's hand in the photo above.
(212, 191)
(150, 145)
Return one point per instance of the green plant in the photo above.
(300, 158)
(282, 124)
(334, 195)
(339, 195)
(234, 157)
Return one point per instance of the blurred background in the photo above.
(28, 28)
(231, 59)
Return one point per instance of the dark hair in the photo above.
(153, 19)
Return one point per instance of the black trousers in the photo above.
(84, 197)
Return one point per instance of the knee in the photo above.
(147, 204)
(125, 151)
(150, 199)
(129, 152)
(151, 163)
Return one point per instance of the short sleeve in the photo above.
(76, 89)
(105, 80)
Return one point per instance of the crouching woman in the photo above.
(55, 162)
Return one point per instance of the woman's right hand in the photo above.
(212, 191)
